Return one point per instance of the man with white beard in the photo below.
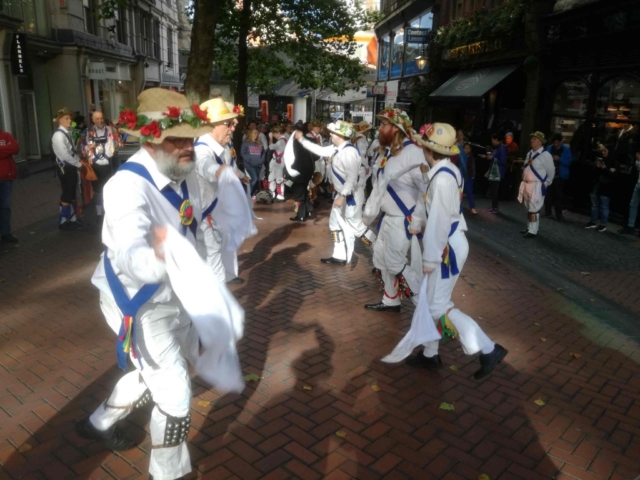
(210, 151)
(156, 187)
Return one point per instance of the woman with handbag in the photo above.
(496, 170)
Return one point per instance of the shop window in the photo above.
(415, 50)
(384, 58)
(569, 111)
(619, 99)
(397, 53)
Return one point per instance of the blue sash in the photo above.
(405, 211)
(451, 172)
(350, 200)
(538, 176)
(209, 209)
(201, 144)
(168, 193)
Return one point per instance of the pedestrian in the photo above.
(68, 163)
(314, 128)
(99, 146)
(276, 165)
(562, 158)
(538, 173)
(512, 147)
(469, 176)
(497, 170)
(445, 252)
(303, 167)
(601, 189)
(253, 155)
(398, 200)
(209, 164)
(157, 186)
(635, 202)
(8, 173)
(349, 199)
(251, 125)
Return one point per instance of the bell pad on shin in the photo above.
(176, 430)
(337, 236)
(143, 400)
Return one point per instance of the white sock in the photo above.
(488, 348)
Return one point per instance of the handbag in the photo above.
(90, 172)
(494, 171)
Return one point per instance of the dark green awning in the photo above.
(472, 84)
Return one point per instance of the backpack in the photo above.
(264, 197)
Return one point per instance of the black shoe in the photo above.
(9, 239)
(419, 360)
(381, 307)
(235, 281)
(623, 231)
(489, 361)
(296, 219)
(114, 439)
(590, 225)
(524, 231)
(602, 228)
(333, 261)
(529, 235)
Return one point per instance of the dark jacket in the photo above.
(304, 163)
(500, 155)
(603, 178)
(252, 154)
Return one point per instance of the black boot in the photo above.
(333, 261)
(381, 307)
(489, 361)
(430, 363)
(114, 439)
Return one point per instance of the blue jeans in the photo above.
(6, 187)
(633, 207)
(599, 204)
(468, 190)
(254, 173)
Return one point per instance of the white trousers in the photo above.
(533, 222)
(165, 339)
(439, 291)
(230, 263)
(209, 246)
(353, 217)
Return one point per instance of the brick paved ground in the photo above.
(317, 353)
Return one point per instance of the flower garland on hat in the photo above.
(397, 117)
(151, 128)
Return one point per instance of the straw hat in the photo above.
(163, 113)
(397, 117)
(62, 112)
(439, 138)
(539, 135)
(363, 126)
(344, 129)
(218, 111)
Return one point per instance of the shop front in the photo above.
(108, 87)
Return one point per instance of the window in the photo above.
(569, 111)
(155, 39)
(414, 49)
(89, 17)
(137, 26)
(384, 58)
(170, 47)
(33, 14)
(121, 20)
(397, 52)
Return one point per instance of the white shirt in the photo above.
(373, 147)
(206, 149)
(315, 138)
(228, 157)
(63, 148)
(442, 203)
(262, 138)
(363, 147)
(133, 207)
(543, 164)
(345, 162)
(279, 146)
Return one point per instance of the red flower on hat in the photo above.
(128, 118)
(239, 109)
(201, 114)
(426, 129)
(151, 130)
(174, 112)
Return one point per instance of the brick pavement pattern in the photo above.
(317, 351)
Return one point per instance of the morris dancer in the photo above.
(99, 144)
(361, 143)
(445, 252)
(155, 187)
(320, 181)
(276, 166)
(537, 175)
(68, 162)
(345, 167)
(209, 165)
(402, 211)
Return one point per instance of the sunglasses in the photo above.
(180, 142)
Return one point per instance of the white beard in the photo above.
(169, 166)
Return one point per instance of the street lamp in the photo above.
(421, 62)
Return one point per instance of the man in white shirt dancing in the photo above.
(156, 187)
(68, 162)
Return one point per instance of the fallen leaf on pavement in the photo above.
(537, 324)
(575, 355)
(593, 300)
(454, 368)
(252, 377)
(560, 289)
(275, 311)
(540, 402)
(542, 339)
(375, 388)
(447, 406)
(25, 447)
(341, 434)
(306, 387)
(484, 476)
(203, 403)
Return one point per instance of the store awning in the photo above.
(472, 84)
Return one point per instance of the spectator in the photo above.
(262, 136)
(635, 202)
(469, 176)
(8, 173)
(77, 127)
(512, 147)
(253, 155)
(288, 130)
(562, 158)
(496, 170)
(251, 125)
(601, 189)
(463, 166)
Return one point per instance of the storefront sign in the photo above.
(96, 71)
(253, 99)
(475, 49)
(375, 90)
(391, 96)
(18, 54)
(417, 35)
(405, 90)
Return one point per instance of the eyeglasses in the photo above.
(179, 141)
